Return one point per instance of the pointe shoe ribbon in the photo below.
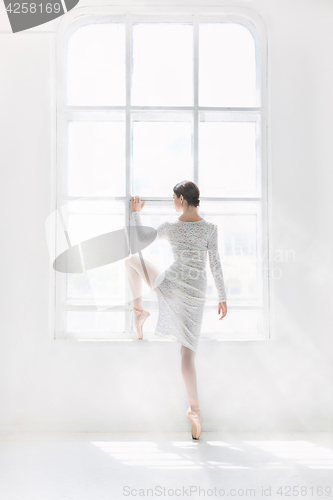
(194, 417)
(141, 319)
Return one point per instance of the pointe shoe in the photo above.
(141, 319)
(194, 417)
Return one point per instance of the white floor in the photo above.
(105, 466)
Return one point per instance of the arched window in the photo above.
(145, 101)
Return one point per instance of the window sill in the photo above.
(202, 340)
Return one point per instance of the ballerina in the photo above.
(181, 289)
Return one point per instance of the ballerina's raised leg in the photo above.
(136, 274)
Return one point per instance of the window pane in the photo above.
(85, 220)
(96, 157)
(238, 253)
(101, 287)
(228, 159)
(227, 65)
(237, 324)
(240, 247)
(162, 65)
(107, 281)
(78, 287)
(162, 156)
(95, 322)
(96, 66)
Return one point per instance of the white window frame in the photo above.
(82, 16)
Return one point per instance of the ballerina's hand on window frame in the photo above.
(136, 204)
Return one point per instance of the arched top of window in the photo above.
(224, 52)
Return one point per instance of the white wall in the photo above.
(281, 384)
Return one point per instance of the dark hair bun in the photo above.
(190, 192)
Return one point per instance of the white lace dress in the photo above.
(181, 289)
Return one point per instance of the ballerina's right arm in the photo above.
(215, 264)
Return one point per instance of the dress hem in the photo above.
(172, 337)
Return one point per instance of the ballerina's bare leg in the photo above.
(189, 373)
(136, 274)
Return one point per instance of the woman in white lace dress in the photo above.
(181, 289)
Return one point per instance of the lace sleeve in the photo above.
(215, 265)
(144, 235)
